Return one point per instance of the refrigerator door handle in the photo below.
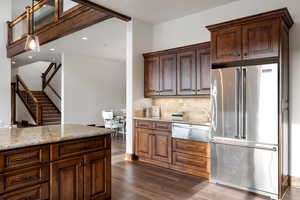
(245, 144)
(237, 92)
(244, 103)
(213, 106)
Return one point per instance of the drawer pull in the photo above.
(23, 159)
(23, 179)
(84, 148)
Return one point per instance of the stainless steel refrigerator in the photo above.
(245, 128)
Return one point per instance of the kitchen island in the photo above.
(55, 162)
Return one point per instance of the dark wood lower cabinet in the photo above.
(154, 145)
(97, 175)
(67, 179)
(36, 192)
(74, 170)
(161, 146)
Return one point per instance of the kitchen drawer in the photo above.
(21, 158)
(25, 177)
(144, 124)
(73, 148)
(192, 164)
(37, 192)
(162, 126)
(192, 147)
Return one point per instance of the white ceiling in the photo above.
(105, 40)
(158, 11)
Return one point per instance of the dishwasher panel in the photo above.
(191, 132)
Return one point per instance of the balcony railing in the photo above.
(46, 12)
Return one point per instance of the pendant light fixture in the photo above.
(32, 41)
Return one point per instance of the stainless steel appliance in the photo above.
(191, 132)
(245, 128)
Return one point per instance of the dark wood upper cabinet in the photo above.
(203, 71)
(168, 75)
(186, 73)
(227, 44)
(151, 76)
(178, 72)
(248, 38)
(261, 39)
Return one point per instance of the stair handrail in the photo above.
(39, 108)
(51, 76)
(20, 80)
(46, 82)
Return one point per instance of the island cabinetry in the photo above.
(79, 169)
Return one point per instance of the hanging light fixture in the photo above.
(32, 41)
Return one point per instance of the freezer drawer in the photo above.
(253, 169)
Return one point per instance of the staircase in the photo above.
(51, 114)
(38, 104)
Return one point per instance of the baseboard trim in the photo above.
(295, 181)
(130, 157)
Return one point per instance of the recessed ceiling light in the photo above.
(13, 62)
(52, 49)
(30, 57)
(84, 38)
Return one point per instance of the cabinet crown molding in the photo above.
(282, 13)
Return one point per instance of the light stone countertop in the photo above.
(172, 121)
(12, 138)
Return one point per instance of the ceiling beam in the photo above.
(103, 9)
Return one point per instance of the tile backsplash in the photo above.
(194, 109)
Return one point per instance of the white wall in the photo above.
(22, 112)
(191, 29)
(139, 40)
(31, 74)
(91, 85)
(5, 67)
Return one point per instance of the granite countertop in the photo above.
(172, 121)
(12, 138)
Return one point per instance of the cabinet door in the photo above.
(67, 179)
(161, 145)
(227, 45)
(186, 73)
(261, 39)
(168, 75)
(203, 71)
(143, 142)
(97, 175)
(151, 75)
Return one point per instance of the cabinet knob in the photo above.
(245, 54)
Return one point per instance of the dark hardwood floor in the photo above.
(139, 181)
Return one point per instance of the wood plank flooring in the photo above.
(139, 181)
